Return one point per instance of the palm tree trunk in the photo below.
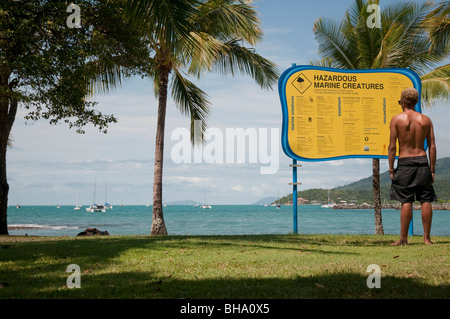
(377, 196)
(8, 110)
(158, 225)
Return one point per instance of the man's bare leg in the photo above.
(405, 220)
(427, 216)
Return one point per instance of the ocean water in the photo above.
(219, 220)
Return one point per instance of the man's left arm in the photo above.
(431, 149)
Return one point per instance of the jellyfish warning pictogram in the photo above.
(301, 83)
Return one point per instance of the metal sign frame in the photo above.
(283, 83)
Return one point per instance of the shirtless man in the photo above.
(413, 178)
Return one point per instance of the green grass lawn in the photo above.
(236, 267)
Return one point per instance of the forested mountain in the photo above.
(361, 191)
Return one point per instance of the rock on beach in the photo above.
(93, 232)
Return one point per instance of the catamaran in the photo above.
(205, 206)
(329, 203)
(94, 208)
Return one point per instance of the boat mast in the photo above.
(95, 190)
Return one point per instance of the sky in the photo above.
(52, 164)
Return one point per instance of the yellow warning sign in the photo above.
(331, 114)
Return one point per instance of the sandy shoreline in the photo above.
(35, 226)
(21, 227)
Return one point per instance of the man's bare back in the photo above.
(411, 129)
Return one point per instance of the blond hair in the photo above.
(410, 96)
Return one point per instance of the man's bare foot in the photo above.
(427, 241)
(400, 242)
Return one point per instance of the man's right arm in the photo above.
(431, 149)
(392, 149)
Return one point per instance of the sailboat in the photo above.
(94, 208)
(107, 206)
(278, 206)
(77, 207)
(205, 206)
(329, 203)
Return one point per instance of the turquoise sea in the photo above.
(219, 220)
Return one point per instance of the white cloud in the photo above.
(237, 188)
(188, 181)
(336, 163)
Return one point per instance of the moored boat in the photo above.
(96, 209)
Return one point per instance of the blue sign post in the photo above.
(294, 194)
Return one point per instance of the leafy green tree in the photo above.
(49, 55)
(411, 35)
(213, 36)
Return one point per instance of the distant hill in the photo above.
(183, 202)
(267, 200)
(361, 191)
(442, 173)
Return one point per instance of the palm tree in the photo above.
(404, 40)
(212, 36)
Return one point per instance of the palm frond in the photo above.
(413, 46)
(234, 57)
(436, 86)
(363, 40)
(440, 72)
(333, 43)
(152, 71)
(200, 58)
(325, 62)
(414, 15)
(103, 77)
(229, 19)
(9, 142)
(391, 51)
(166, 19)
(192, 102)
(437, 24)
(222, 28)
(368, 37)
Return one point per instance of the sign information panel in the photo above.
(334, 113)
